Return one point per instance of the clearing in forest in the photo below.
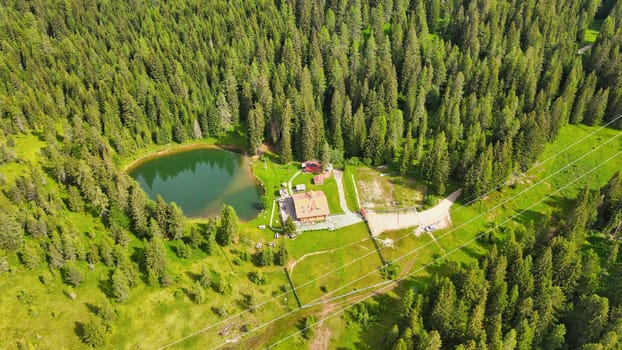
(435, 218)
(381, 189)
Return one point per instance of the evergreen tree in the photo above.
(10, 232)
(285, 145)
(120, 286)
(256, 125)
(281, 256)
(436, 166)
(175, 222)
(228, 226)
(94, 332)
(156, 261)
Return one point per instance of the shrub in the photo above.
(72, 276)
(196, 293)
(95, 332)
(307, 327)
(257, 277)
(390, 271)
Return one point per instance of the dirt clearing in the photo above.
(438, 217)
(381, 190)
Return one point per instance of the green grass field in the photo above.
(349, 179)
(332, 250)
(45, 316)
(591, 33)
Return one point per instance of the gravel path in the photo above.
(291, 179)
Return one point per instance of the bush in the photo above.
(219, 311)
(429, 201)
(264, 202)
(257, 277)
(354, 161)
(196, 293)
(72, 276)
(307, 327)
(390, 271)
(218, 284)
(248, 300)
(95, 332)
(204, 277)
(4, 265)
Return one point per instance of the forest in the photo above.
(451, 92)
(531, 292)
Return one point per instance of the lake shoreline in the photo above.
(181, 148)
(178, 148)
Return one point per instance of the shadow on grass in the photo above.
(474, 251)
(92, 308)
(193, 276)
(138, 256)
(105, 285)
(78, 329)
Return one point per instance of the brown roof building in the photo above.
(311, 206)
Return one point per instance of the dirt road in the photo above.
(342, 195)
(401, 219)
(291, 179)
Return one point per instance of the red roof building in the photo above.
(312, 166)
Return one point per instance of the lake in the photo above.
(200, 180)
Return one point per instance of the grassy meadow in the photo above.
(416, 255)
(37, 309)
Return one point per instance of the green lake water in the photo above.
(200, 181)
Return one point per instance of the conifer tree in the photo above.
(228, 226)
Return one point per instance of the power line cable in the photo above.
(406, 235)
(439, 258)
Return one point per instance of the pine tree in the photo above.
(285, 145)
(137, 211)
(156, 261)
(281, 256)
(10, 232)
(228, 227)
(120, 286)
(175, 222)
(595, 110)
(256, 125)
(94, 332)
(436, 165)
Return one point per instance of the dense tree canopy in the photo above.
(533, 290)
(464, 91)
